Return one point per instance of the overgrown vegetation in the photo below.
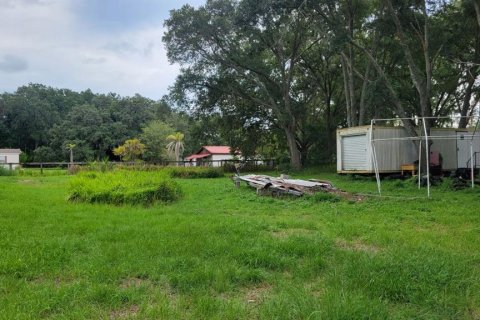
(6, 171)
(174, 172)
(225, 253)
(124, 187)
(194, 172)
(324, 197)
(28, 172)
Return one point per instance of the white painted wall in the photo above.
(6, 157)
(391, 154)
(218, 157)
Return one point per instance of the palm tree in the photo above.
(70, 147)
(175, 146)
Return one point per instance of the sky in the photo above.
(104, 45)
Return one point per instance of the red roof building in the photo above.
(213, 155)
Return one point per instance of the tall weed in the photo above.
(124, 187)
(6, 171)
(194, 172)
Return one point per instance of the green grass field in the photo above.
(226, 253)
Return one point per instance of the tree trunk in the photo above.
(477, 10)
(328, 128)
(472, 74)
(350, 62)
(295, 156)
(361, 111)
(348, 102)
(466, 102)
(421, 80)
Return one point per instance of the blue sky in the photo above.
(104, 45)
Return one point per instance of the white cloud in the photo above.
(61, 53)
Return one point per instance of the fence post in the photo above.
(41, 168)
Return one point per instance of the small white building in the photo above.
(213, 156)
(10, 157)
(393, 148)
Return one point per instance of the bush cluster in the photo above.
(124, 187)
(324, 197)
(174, 172)
(35, 172)
(248, 167)
(6, 171)
(194, 172)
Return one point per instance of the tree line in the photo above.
(48, 123)
(295, 70)
(272, 78)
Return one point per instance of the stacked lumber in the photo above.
(283, 185)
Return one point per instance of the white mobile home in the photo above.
(10, 157)
(354, 148)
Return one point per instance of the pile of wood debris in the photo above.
(283, 185)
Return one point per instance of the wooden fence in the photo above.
(227, 165)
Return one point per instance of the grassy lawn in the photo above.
(225, 253)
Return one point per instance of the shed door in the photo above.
(354, 152)
(463, 149)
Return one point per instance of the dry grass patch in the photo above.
(474, 313)
(29, 182)
(437, 228)
(356, 245)
(316, 287)
(57, 282)
(125, 313)
(134, 282)
(256, 294)
(285, 233)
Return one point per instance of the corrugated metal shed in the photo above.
(354, 150)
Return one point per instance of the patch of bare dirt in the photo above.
(134, 282)
(26, 181)
(285, 233)
(434, 227)
(474, 313)
(256, 294)
(349, 196)
(125, 313)
(356, 245)
(316, 287)
(162, 286)
(57, 281)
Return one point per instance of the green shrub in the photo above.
(173, 172)
(35, 172)
(194, 172)
(247, 167)
(102, 166)
(325, 197)
(124, 187)
(6, 171)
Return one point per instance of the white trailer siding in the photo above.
(10, 156)
(354, 151)
(357, 160)
(217, 158)
(454, 146)
(392, 152)
(446, 147)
